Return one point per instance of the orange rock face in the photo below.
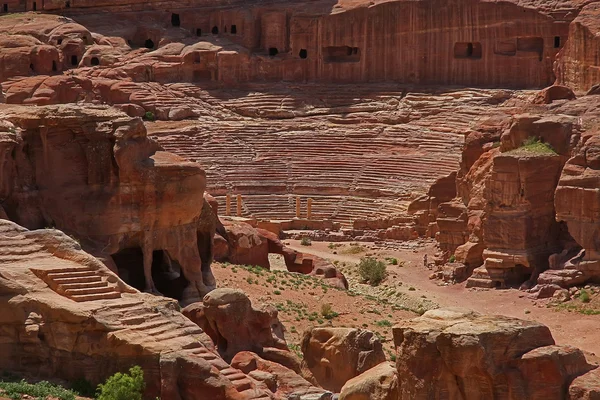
(65, 315)
(94, 173)
(457, 354)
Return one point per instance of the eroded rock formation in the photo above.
(458, 354)
(66, 315)
(94, 173)
(336, 355)
(234, 325)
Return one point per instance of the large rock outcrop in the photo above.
(577, 203)
(65, 315)
(336, 355)
(457, 354)
(377, 383)
(228, 317)
(93, 172)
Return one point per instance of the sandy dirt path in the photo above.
(568, 328)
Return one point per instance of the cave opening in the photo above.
(273, 51)
(5, 8)
(303, 53)
(34, 6)
(233, 29)
(68, 4)
(74, 60)
(198, 32)
(31, 68)
(149, 44)
(470, 50)
(59, 41)
(556, 42)
(335, 54)
(95, 61)
(215, 30)
(196, 58)
(54, 68)
(175, 21)
(225, 29)
(166, 273)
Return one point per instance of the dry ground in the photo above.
(406, 292)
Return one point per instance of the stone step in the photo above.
(83, 285)
(82, 279)
(151, 325)
(139, 319)
(71, 274)
(91, 290)
(92, 297)
(185, 331)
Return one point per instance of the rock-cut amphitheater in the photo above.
(149, 146)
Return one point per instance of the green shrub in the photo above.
(327, 312)
(383, 323)
(535, 145)
(40, 390)
(149, 116)
(306, 241)
(584, 296)
(452, 258)
(123, 386)
(371, 270)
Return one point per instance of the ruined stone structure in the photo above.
(473, 43)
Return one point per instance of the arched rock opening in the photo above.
(166, 273)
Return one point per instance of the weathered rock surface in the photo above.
(280, 380)
(66, 315)
(336, 355)
(247, 245)
(234, 325)
(586, 387)
(377, 383)
(457, 354)
(121, 194)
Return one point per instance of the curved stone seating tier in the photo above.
(360, 152)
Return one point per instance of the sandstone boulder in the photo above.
(377, 383)
(234, 325)
(335, 355)
(552, 93)
(586, 387)
(457, 354)
(280, 380)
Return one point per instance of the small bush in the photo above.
(40, 390)
(327, 312)
(306, 241)
(584, 296)
(383, 322)
(123, 386)
(371, 270)
(452, 258)
(149, 116)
